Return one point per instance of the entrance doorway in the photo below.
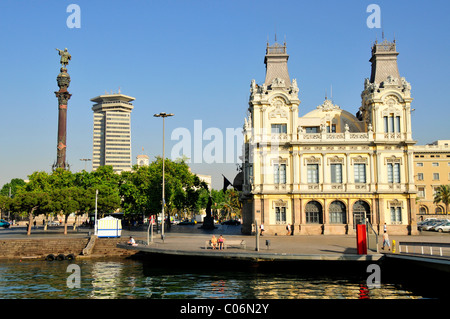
(361, 211)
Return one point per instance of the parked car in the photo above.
(427, 224)
(53, 223)
(231, 222)
(434, 224)
(4, 223)
(438, 223)
(444, 227)
(188, 222)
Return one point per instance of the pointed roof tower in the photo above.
(276, 65)
(384, 61)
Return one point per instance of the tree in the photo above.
(12, 187)
(133, 189)
(28, 203)
(4, 203)
(443, 195)
(66, 200)
(106, 181)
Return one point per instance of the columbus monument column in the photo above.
(63, 80)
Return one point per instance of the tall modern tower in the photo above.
(112, 131)
(63, 80)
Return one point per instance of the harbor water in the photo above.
(138, 279)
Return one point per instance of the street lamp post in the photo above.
(95, 218)
(163, 115)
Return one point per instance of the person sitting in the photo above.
(132, 242)
(221, 241)
(213, 242)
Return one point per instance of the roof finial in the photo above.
(331, 93)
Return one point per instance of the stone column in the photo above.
(63, 80)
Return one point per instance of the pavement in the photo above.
(190, 238)
(191, 241)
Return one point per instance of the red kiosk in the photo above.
(361, 239)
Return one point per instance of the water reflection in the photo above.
(116, 279)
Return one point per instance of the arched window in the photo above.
(314, 213)
(361, 211)
(337, 212)
(423, 210)
(439, 210)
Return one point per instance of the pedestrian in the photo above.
(221, 241)
(386, 241)
(262, 229)
(288, 229)
(385, 227)
(34, 223)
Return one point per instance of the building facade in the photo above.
(432, 169)
(112, 131)
(325, 172)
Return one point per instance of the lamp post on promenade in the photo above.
(95, 217)
(163, 115)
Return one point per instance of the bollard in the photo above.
(393, 246)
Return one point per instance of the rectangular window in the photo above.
(419, 164)
(393, 172)
(279, 173)
(313, 173)
(280, 215)
(396, 215)
(386, 124)
(336, 173)
(391, 123)
(435, 164)
(421, 192)
(360, 173)
(312, 129)
(397, 127)
(435, 176)
(420, 176)
(279, 128)
(313, 218)
(331, 128)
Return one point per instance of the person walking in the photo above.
(288, 229)
(262, 229)
(386, 241)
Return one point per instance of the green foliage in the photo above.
(141, 189)
(138, 192)
(443, 195)
(14, 185)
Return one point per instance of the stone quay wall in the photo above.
(40, 248)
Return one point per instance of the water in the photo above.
(126, 278)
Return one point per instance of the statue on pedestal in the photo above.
(208, 221)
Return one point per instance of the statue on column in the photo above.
(65, 57)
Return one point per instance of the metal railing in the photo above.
(372, 237)
(440, 249)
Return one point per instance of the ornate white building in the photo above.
(326, 171)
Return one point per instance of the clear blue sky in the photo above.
(196, 59)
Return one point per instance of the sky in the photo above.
(196, 59)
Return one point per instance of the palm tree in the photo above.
(442, 195)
